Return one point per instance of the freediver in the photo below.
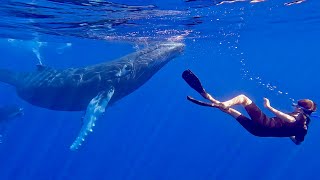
(294, 125)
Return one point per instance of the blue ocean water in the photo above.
(262, 49)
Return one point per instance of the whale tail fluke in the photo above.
(8, 77)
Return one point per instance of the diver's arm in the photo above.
(293, 138)
(279, 114)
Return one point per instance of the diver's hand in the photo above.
(266, 103)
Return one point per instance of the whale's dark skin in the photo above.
(99, 85)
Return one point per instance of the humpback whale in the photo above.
(92, 88)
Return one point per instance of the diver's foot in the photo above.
(205, 95)
(210, 98)
(222, 106)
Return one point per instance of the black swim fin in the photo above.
(201, 103)
(193, 81)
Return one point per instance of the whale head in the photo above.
(152, 59)
(133, 70)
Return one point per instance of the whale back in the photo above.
(65, 90)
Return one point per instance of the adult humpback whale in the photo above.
(90, 88)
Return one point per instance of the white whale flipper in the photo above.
(94, 111)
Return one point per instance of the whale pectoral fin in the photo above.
(94, 111)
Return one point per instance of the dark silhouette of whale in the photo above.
(90, 88)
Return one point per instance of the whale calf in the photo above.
(92, 88)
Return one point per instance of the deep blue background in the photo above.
(155, 133)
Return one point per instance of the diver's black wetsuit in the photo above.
(261, 125)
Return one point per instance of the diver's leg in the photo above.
(252, 109)
(210, 98)
(238, 100)
(259, 117)
(232, 112)
(244, 121)
(251, 126)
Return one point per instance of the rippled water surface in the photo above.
(140, 20)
